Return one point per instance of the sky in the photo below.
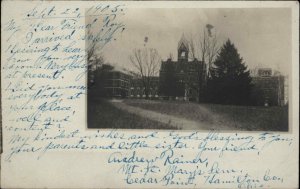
(261, 35)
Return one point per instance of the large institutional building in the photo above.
(184, 78)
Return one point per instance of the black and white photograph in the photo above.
(149, 94)
(221, 69)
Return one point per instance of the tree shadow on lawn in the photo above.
(102, 114)
(254, 118)
(249, 118)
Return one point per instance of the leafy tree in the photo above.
(230, 81)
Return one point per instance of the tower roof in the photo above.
(183, 41)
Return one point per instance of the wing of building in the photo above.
(269, 89)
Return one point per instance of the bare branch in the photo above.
(147, 63)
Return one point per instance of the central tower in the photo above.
(183, 49)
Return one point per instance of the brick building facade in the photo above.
(184, 78)
(268, 88)
(137, 89)
(111, 82)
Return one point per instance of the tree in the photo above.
(230, 81)
(146, 61)
(204, 46)
(95, 63)
(92, 52)
(95, 59)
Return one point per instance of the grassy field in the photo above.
(249, 118)
(254, 118)
(102, 114)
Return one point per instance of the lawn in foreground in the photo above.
(254, 118)
(102, 114)
(250, 118)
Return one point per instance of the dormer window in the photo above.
(183, 54)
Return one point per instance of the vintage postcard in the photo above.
(131, 94)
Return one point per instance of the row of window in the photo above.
(116, 83)
(118, 75)
(142, 92)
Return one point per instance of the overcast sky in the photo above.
(262, 36)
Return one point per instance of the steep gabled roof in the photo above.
(183, 41)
